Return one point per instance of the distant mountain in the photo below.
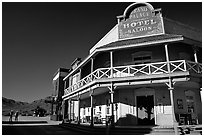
(23, 107)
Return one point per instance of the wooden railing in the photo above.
(137, 70)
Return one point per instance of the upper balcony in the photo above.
(135, 72)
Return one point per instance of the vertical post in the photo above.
(111, 63)
(92, 65)
(175, 123)
(167, 58)
(112, 104)
(79, 75)
(73, 114)
(92, 118)
(201, 94)
(195, 57)
(92, 68)
(79, 109)
(70, 110)
(195, 54)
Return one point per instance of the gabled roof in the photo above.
(144, 40)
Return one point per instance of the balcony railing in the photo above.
(137, 70)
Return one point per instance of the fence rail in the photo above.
(137, 70)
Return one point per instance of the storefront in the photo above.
(146, 71)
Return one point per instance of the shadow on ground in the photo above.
(24, 122)
(36, 130)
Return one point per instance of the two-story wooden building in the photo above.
(145, 71)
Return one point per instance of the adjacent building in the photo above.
(145, 71)
(56, 102)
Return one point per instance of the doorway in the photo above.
(145, 110)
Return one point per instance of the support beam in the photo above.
(69, 110)
(195, 49)
(73, 110)
(167, 58)
(171, 90)
(79, 110)
(111, 63)
(112, 104)
(92, 65)
(92, 119)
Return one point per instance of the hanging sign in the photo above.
(141, 21)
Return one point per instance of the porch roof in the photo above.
(138, 41)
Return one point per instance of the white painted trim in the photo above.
(141, 44)
(149, 6)
(56, 76)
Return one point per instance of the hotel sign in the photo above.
(142, 21)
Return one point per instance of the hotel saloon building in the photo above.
(145, 71)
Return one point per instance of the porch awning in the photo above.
(164, 38)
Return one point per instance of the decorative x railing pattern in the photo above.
(137, 70)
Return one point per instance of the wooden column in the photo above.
(195, 54)
(69, 110)
(167, 58)
(111, 63)
(112, 104)
(92, 65)
(92, 118)
(195, 49)
(78, 109)
(171, 88)
(73, 114)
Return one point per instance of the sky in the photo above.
(38, 38)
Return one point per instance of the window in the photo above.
(190, 101)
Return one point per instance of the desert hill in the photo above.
(23, 107)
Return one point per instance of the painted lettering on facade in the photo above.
(141, 22)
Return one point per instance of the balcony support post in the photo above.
(170, 85)
(195, 50)
(111, 63)
(92, 118)
(69, 110)
(167, 58)
(92, 67)
(111, 88)
(78, 98)
(73, 114)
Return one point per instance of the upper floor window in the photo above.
(142, 57)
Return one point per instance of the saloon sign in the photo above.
(142, 21)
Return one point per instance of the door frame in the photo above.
(145, 92)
